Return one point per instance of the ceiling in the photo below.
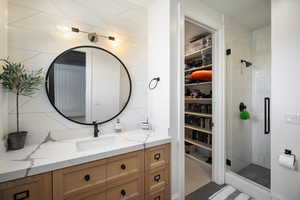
(252, 13)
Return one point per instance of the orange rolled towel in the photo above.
(203, 75)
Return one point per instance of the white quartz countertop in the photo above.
(54, 154)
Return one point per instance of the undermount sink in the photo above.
(105, 141)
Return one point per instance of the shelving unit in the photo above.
(197, 100)
(198, 68)
(196, 128)
(199, 84)
(199, 144)
(198, 53)
(196, 135)
(198, 114)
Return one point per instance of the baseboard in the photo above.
(247, 186)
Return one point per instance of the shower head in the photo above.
(248, 64)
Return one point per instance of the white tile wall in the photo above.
(35, 41)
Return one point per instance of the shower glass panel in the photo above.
(248, 69)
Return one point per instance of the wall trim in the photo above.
(218, 143)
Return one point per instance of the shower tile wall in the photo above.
(35, 40)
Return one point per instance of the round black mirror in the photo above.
(87, 84)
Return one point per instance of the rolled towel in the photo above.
(202, 75)
(242, 196)
(223, 193)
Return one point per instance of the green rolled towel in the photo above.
(244, 115)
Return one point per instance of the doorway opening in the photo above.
(198, 125)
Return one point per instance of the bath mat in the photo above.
(229, 193)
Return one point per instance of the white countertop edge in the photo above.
(44, 168)
(157, 142)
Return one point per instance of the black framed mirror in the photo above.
(87, 84)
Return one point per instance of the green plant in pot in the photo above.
(19, 81)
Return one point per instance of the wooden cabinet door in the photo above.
(157, 179)
(75, 182)
(157, 156)
(124, 166)
(31, 188)
(127, 189)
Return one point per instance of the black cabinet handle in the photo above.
(267, 115)
(123, 192)
(22, 195)
(157, 156)
(157, 178)
(123, 166)
(87, 177)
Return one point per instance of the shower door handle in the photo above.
(267, 115)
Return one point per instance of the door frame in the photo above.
(218, 143)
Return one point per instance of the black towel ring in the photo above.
(155, 80)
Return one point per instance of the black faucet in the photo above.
(96, 130)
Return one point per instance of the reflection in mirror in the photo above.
(87, 84)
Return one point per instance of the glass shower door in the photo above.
(248, 84)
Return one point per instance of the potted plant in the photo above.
(18, 80)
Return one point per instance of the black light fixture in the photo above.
(93, 37)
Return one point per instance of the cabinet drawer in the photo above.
(132, 189)
(157, 156)
(31, 188)
(157, 179)
(73, 181)
(121, 167)
(162, 194)
(91, 196)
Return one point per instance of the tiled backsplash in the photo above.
(35, 40)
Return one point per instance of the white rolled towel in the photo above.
(223, 193)
(242, 196)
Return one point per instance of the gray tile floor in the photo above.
(257, 174)
(204, 192)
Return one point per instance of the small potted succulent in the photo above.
(19, 81)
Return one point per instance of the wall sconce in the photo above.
(93, 37)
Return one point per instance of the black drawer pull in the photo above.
(123, 166)
(123, 192)
(87, 177)
(21, 195)
(157, 198)
(157, 178)
(157, 156)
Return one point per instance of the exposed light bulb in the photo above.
(115, 42)
(64, 29)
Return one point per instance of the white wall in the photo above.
(3, 54)
(238, 38)
(285, 95)
(35, 40)
(159, 63)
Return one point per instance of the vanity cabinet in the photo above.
(30, 188)
(136, 175)
(157, 173)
